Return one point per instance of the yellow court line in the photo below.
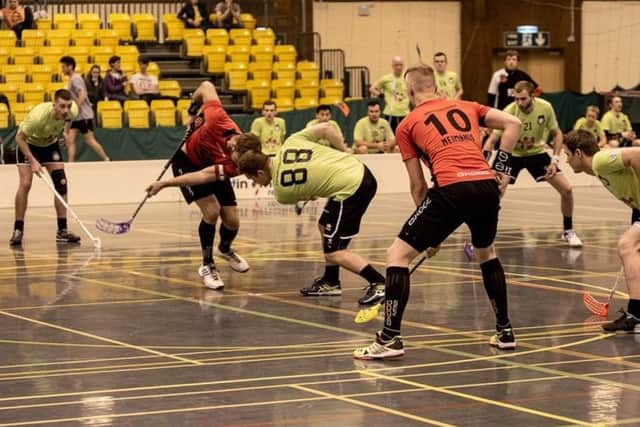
(372, 406)
(99, 338)
(467, 396)
(86, 304)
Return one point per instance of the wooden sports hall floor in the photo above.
(130, 338)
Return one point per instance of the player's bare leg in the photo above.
(71, 145)
(210, 209)
(92, 142)
(563, 187)
(22, 196)
(228, 231)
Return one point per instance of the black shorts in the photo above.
(44, 155)
(341, 220)
(475, 203)
(83, 126)
(536, 165)
(394, 121)
(222, 190)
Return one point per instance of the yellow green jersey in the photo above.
(271, 135)
(536, 126)
(395, 95)
(615, 123)
(367, 131)
(448, 84)
(41, 128)
(621, 181)
(596, 129)
(332, 123)
(304, 170)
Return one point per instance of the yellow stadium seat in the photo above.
(238, 54)
(332, 88)
(173, 27)
(31, 93)
(121, 24)
(169, 88)
(43, 24)
(144, 27)
(284, 70)
(107, 38)
(109, 114)
(248, 21)
(284, 104)
(217, 37)
(89, 21)
(64, 21)
(22, 55)
(53, 87)
(285, 53)
(41, 73)
(10, 90)
(20, 110)
(308, 70)
(304, 103)
(260, 91)
(13, 73)
(260, 71)
(264, 36)
(240, 36)
(4, 55)
(183, 108)
(193, 42)
(79, 53)
(164, 113)
(236, 75)
(214, 58)
(51, 56)
(307, 88)
(152, 69)
(284, 88)
(262, 53)
(33, 38)
(83, 37)
(100, 55)
(4, 116)
(137, 113)
(7, 38)
(58, 38)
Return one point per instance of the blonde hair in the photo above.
(593, 109)
(420, 77)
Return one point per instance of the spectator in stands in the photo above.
(271, 130)
(143, 84)
(448, 82)
(16, 17)
(590, 123)
(394, 89)
(194, 14)
(95, 86)
(115, 81)
(83, 122)
(617, 126)
(228, 15)
(323, 115)
(501, 86)
(372, 134)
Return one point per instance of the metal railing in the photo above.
(357, 82)
(332, 64)
(308, 46)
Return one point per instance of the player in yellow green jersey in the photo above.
(448, 82)
(394, 89)
(372, 134)
(323, 115)
(538, 122)
(619, 171)
(37, 141)
(271, 130)
(617, 126)
(306, 170)
(591, 124)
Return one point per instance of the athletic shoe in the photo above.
(210, 276)
(63, 236)
(572, 239)
(381, 349)
(321, 287)
(503, 339)
(16, 238)
(299, 206)
(626, 323)
(235, 261)
(373, 295)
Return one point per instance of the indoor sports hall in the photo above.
(126, 328)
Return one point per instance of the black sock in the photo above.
(18, 225)
(396, 297)
(496, 287)
(635, 215)
(62, 223)
(332, 273)
(634, 307)
(207, 232)
(567, 222)
(226, 238)
(371, 275)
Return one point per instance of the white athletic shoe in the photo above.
(210, 277)
(572, 239)
(236, 262)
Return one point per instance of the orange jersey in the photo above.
(445, 134)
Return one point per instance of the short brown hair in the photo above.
(62, 94)
(524, 85)
(583, 140)
(512, 52)
(269, 102)
(247, 142)
(251, 162)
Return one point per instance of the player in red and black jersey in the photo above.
(445, 135)
(202, 170)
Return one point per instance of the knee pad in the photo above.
(59, 179)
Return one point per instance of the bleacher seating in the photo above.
(121, 24)
(164, 113)
(137, 114)
(109, 114)
(170, 88)
(144, 27)
(5, 117)
(64, 21)
(89, 21)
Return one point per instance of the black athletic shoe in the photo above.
(321, 287)
(16, 238)
(63, 236)
(373, 294)
(503, 339)
(626, 323)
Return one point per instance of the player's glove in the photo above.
(194, 107)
